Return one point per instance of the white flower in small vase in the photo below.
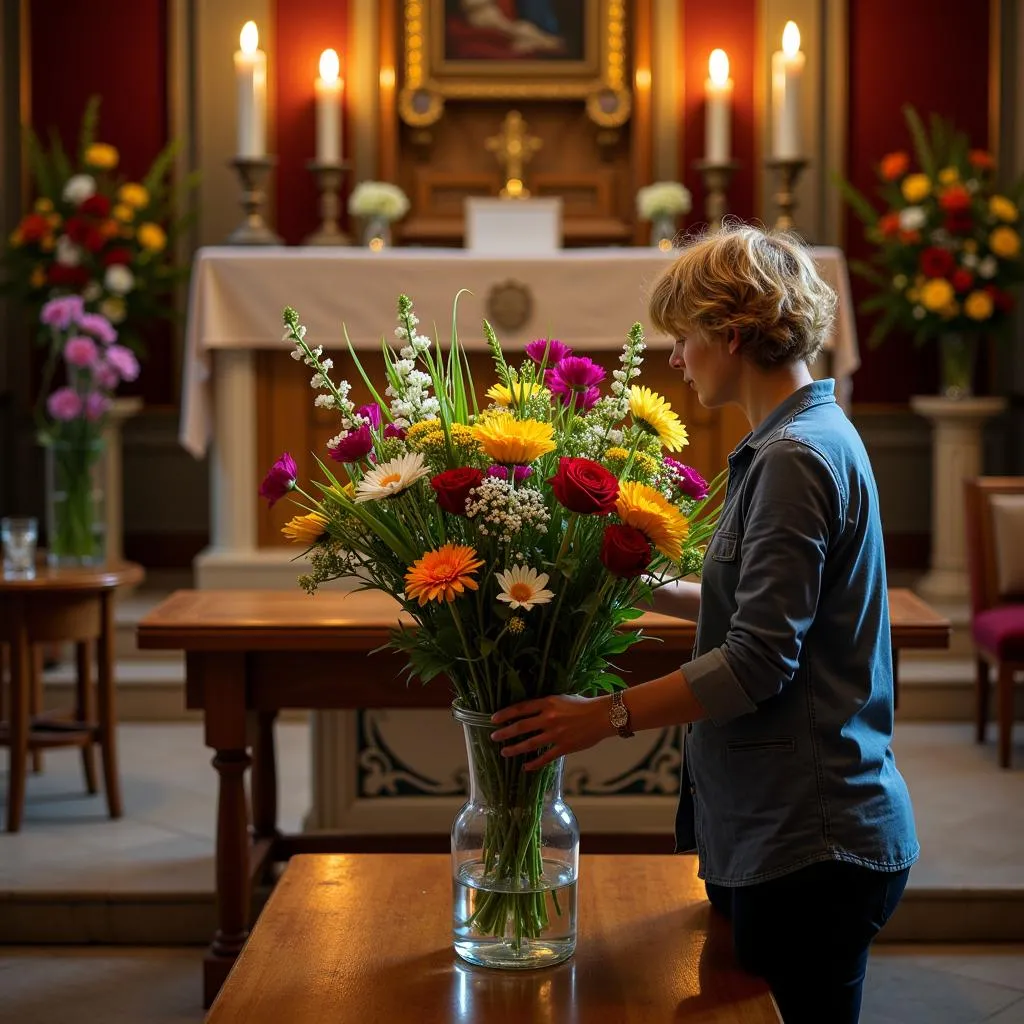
(661, 203)
(378, 203)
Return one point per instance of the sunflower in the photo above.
(514, 442)
(653, 414)
(391, 478)
(648, 511)
(306, 529)
(443, 574)
(520, 391)
(522, 587)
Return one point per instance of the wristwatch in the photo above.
(618, 715)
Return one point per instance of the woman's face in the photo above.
(707, 366)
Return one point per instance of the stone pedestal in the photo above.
(956, 455)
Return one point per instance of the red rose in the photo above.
(76, 229)
(959, 222)
(625, 551)
(962, 280)
(453, 487)
(584, 486)
(95, 206)
(115, 256)
(67, 277)
(955, 199)
(33, 227)
(936, 262)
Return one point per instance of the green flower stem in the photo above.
(74, 505)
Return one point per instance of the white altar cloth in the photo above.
(586, 297)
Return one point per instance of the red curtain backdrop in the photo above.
(303, 29)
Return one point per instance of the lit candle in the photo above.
(251, 78)
(718, 109)
(787, 70)
(328, 109)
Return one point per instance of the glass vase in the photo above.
(377, 233)
(515, 858)
(956, 365)
(663, 231)
(75, 513)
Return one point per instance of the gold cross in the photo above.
(513, 148)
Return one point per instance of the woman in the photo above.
(790, 794)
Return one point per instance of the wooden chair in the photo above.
(995, 559)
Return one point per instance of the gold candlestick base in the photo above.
(252, 172)
(789, 169)
(716, 187)
(329, 177)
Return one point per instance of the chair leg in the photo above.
(21, 683)
(106, 699)
(1004, 687)
(36, 702)
(980, 699)
(85, 709)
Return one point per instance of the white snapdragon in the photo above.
(410, 393)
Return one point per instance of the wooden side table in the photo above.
(56, 606)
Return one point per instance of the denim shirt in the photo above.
(793, 662)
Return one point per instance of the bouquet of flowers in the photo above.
(94, 234)
(378, 199)
(948, 242)
(72, 432)
(663, 199)
(519, 537)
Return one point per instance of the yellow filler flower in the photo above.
(442, 575)
(655, 415)
(306, 529)
(514, 442)
(648, 511)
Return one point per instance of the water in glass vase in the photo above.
(486, 918)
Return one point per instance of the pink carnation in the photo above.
(353, 446)
(105, 376)
(96, 406)
(548, 351)
(63, 312)
(99, 327)
(80, 351)
(64, 404)
(123, 360)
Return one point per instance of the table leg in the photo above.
(85, 709)
(21, 681)
(107, 704)
(36, 704)
(264, 778)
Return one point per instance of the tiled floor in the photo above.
(968, 812)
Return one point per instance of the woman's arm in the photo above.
(681, 599)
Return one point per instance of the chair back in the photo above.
(994, 511)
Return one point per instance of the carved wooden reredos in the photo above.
(588, 126)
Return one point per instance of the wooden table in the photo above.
(368, 939)
(55, 606)
(249, 654)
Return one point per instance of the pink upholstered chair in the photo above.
(995, 558)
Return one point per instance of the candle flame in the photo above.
(718, 67)
(249, 37)
(330, 65)
(791, 39)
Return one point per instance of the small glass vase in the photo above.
(956, 365)
(377, 233)
(75, 512)
(515, 859)
(663, 231)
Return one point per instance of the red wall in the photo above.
(303, 29)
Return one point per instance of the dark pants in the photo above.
(807, 934)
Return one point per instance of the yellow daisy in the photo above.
(916, 187)
(655, 415)
(152, 237)
(132, 194)
(306, 529)
(979, 305)
(648, 511)
(514, 442)
(522, 587)
(520, 391)
(443, 574)
(391, 478)
(101, 155)
(1003, 209)
(1004, 242)
(937, 294)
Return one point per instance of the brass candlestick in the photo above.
(252, 172)
(329, 177)
(789, 169)
(716, 186)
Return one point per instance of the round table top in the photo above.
(94, 577)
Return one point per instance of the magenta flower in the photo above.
(280, 480)
(63, 312)
(548, 351)
(372, 413)
(105, 376)
(96, 406)
(99, 327)
(394, 431)
(576, 377)
(80, 351)
(519, 473)
(689, 481)
(123, 361)
(356, 444)
(64, 404)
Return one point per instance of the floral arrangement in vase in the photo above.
(378, 203)
(948, 246)
(519, 536)
(95, 234)
(94, 364)
(661, 203)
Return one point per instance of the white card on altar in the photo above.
(520, 227)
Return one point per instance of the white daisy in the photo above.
(523, 588)
(391, 478)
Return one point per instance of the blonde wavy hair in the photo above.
(763, 283)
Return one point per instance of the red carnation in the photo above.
(981, 159)
(95, 206)
(115, 256)
(955, 198)
(76, 228)
(585, 486)
(33, 227)
(962, 280)
(453, 487)
(959, 222)
(67, 277)
(889, 224)
(936, 262)
(625, 551)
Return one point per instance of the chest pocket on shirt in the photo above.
(724, 546)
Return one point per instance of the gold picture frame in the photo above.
(443, 60)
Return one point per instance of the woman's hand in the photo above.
(561, 724)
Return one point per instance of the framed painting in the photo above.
(514, 49)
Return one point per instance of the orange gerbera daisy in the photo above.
(443, 574)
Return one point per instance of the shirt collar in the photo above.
(818, 392)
